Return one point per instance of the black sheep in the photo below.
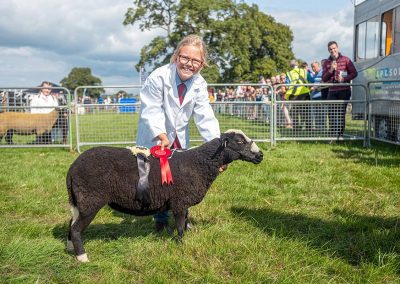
(109, 175)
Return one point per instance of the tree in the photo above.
(243, 42)
(82, 76)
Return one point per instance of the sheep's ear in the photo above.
(224, 142)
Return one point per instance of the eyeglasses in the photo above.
(185, 60)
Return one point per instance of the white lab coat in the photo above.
(162, 113)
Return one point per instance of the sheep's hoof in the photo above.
(189, 226)
(70, 246)
(82, 258)
(178, 240)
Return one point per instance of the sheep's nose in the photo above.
(259, 156)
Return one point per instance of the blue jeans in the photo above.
(161, 217)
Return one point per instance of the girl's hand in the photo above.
(164, 142)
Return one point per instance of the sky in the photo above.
(44, 39)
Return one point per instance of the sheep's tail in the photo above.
(71, 194)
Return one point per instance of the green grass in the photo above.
(309, 213)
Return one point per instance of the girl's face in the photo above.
(188, 62)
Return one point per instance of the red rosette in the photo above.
(163, 155)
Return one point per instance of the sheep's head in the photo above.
(238, 146)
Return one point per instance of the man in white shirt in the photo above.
(44, 101)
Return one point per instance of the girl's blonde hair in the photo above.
(193, 40)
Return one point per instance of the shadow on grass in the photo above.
(379, 154)
(354, 238)
(130, 226)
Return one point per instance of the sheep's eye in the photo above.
(240, 142)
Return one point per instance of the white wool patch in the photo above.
(254, 148)
(75, 214)
(139, 150)
(82, 258)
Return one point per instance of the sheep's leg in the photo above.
(78, 225)
(9, 137)
(180, 221)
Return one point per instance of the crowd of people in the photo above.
(300, 83)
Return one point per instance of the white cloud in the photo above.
(58, 35)
(313, 30)
(44, 39)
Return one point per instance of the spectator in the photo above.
(258, 105)
(304, 65)
(230, 97)
(170, 96)
(318, 113)
(324, 90)
(211, 97)
(240, 92)
(250, 96)
(220, 95)
(87, 101)
(338, 69)
(300, 112)
(266, 107)
(282, 97)
(262, 80)
(107, 102)
(219, 98)
(120, 96)
(44, 102)
(273, 80)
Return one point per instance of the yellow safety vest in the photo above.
(297, 76)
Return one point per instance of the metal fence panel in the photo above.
(266, 119)
(384, 111)
(106, 123)
(21, 126)
(247, 107)
(262, 118)
(319, 119)
(116, 124)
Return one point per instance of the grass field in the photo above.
(309, 213)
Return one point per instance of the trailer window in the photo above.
(386, 34)
(396, 46)
(361, 31)
(368, 39)
(372, 38)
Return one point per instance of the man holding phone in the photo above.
(338, 69)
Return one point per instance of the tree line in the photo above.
(243, 42)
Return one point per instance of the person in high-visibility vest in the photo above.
(300, 113)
